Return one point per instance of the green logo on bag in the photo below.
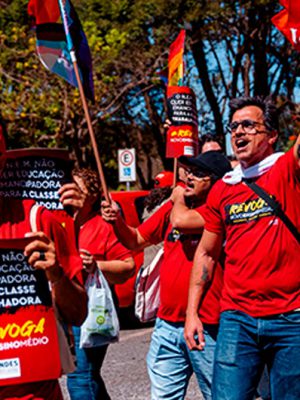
(100, 319)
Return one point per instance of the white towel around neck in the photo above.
(234, 177)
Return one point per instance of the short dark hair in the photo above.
(270, 111)
(156, 197)
(92, 183)
(207, 138)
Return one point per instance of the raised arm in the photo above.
(182, 217)
(115, 271)
(128, 236)
(205, 259)
(68, 293)
(73, 196)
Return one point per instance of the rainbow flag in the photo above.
(287, 21)
(59, 33)
(176, 65)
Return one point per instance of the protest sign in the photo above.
(182, 136)
(28, 332)
(36, 174)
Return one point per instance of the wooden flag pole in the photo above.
(90, 129)
(175, 167)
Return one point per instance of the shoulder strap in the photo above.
(275, 205)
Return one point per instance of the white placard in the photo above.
(10, 368)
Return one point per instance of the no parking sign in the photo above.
(127, 167)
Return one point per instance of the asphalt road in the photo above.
(124, 369)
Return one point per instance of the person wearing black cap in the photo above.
(203, 171)
(170, 363)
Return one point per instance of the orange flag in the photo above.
(287, 21)
(176, 66)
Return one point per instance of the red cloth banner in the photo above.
(176, 65)
(182, 136)
(287, 21)
(29, 348)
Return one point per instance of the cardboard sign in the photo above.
(29, 349)
(36, 174)
(182, 136)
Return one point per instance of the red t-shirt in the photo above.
(179, 250)
(98, 237)
(14, 223)
(262, 274)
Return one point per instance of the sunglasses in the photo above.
(198, 174)
(248, 125)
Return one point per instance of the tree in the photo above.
(232, 49)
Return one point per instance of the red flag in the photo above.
(287, 21)
(176, 65)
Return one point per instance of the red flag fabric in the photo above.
(176, 65)
(287, 21)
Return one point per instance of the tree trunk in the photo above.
(201, 63)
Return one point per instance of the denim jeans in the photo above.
(171, 364)
(86, 383)
(246, 344)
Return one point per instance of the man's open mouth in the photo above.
(241, 143)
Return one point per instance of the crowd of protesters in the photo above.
(229, 280)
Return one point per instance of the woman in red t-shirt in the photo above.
(99, 248)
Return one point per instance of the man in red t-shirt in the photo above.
(178, 223)
(260, 304)
(51, 251)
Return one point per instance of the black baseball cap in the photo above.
(212, 162)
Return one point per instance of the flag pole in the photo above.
(90, 128)
(175, 64)
(175, 167)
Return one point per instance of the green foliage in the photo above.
(231, 49)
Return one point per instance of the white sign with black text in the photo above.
(127, 165)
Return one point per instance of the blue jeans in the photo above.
(86, 383)
(246, 344)
(171, 364)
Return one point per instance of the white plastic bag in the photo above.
(147, 297)
(101, 325)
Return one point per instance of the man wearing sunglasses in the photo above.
(170, 363)
(260, 304)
